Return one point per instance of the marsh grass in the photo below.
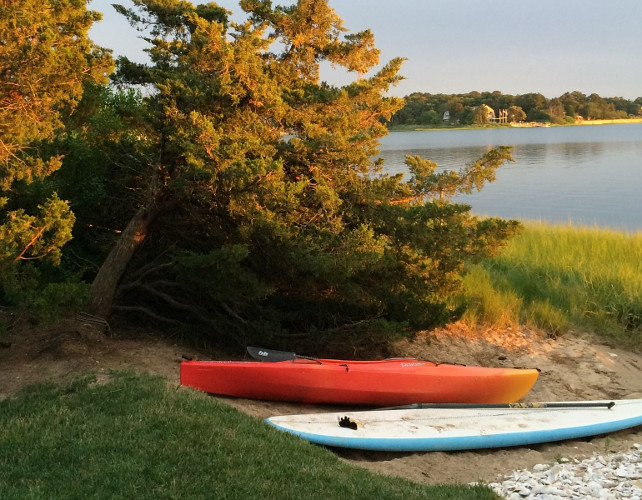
(559, 278)
(134, 437)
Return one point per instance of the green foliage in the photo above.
(29, 237)
(131, 436)
(257, 208)
(487, 303)
(45, 291)
(544, 315)
(561, 278)
(516, 114)
(55, 300)
(25, 241)
(101, 172)
(45, 60)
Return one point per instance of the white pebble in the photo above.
(610, 477)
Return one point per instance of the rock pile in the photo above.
(611, 477)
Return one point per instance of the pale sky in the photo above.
(459, 46)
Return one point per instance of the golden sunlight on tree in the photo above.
(45, 59)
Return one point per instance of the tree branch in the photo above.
(31, 243)
(147, 312)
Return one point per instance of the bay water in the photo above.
(583, 175)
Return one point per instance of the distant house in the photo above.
(447, 116)
(490, 113)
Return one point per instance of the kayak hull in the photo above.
(459, 429)
(378, 383)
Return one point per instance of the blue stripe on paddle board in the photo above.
(464, 442)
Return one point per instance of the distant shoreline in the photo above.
(419, 128)
(608, 122)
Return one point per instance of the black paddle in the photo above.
(270, 355)
(568, 404)
(263, 354)
(275, 356)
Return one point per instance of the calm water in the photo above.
(589, 175)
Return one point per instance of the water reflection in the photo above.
(587, 175)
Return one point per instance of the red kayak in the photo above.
(382, 383)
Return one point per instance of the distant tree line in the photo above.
(465, 109)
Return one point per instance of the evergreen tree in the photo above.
(45, 59)
(261, 207)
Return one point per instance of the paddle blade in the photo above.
(270, 355)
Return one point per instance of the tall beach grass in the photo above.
(561, 278)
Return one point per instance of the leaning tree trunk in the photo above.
(103, 288)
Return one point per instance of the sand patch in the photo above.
(573, 367)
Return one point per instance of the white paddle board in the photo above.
(461, 428)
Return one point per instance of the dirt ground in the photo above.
(573, 367)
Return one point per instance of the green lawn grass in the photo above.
(134, 437)
(562, 278)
